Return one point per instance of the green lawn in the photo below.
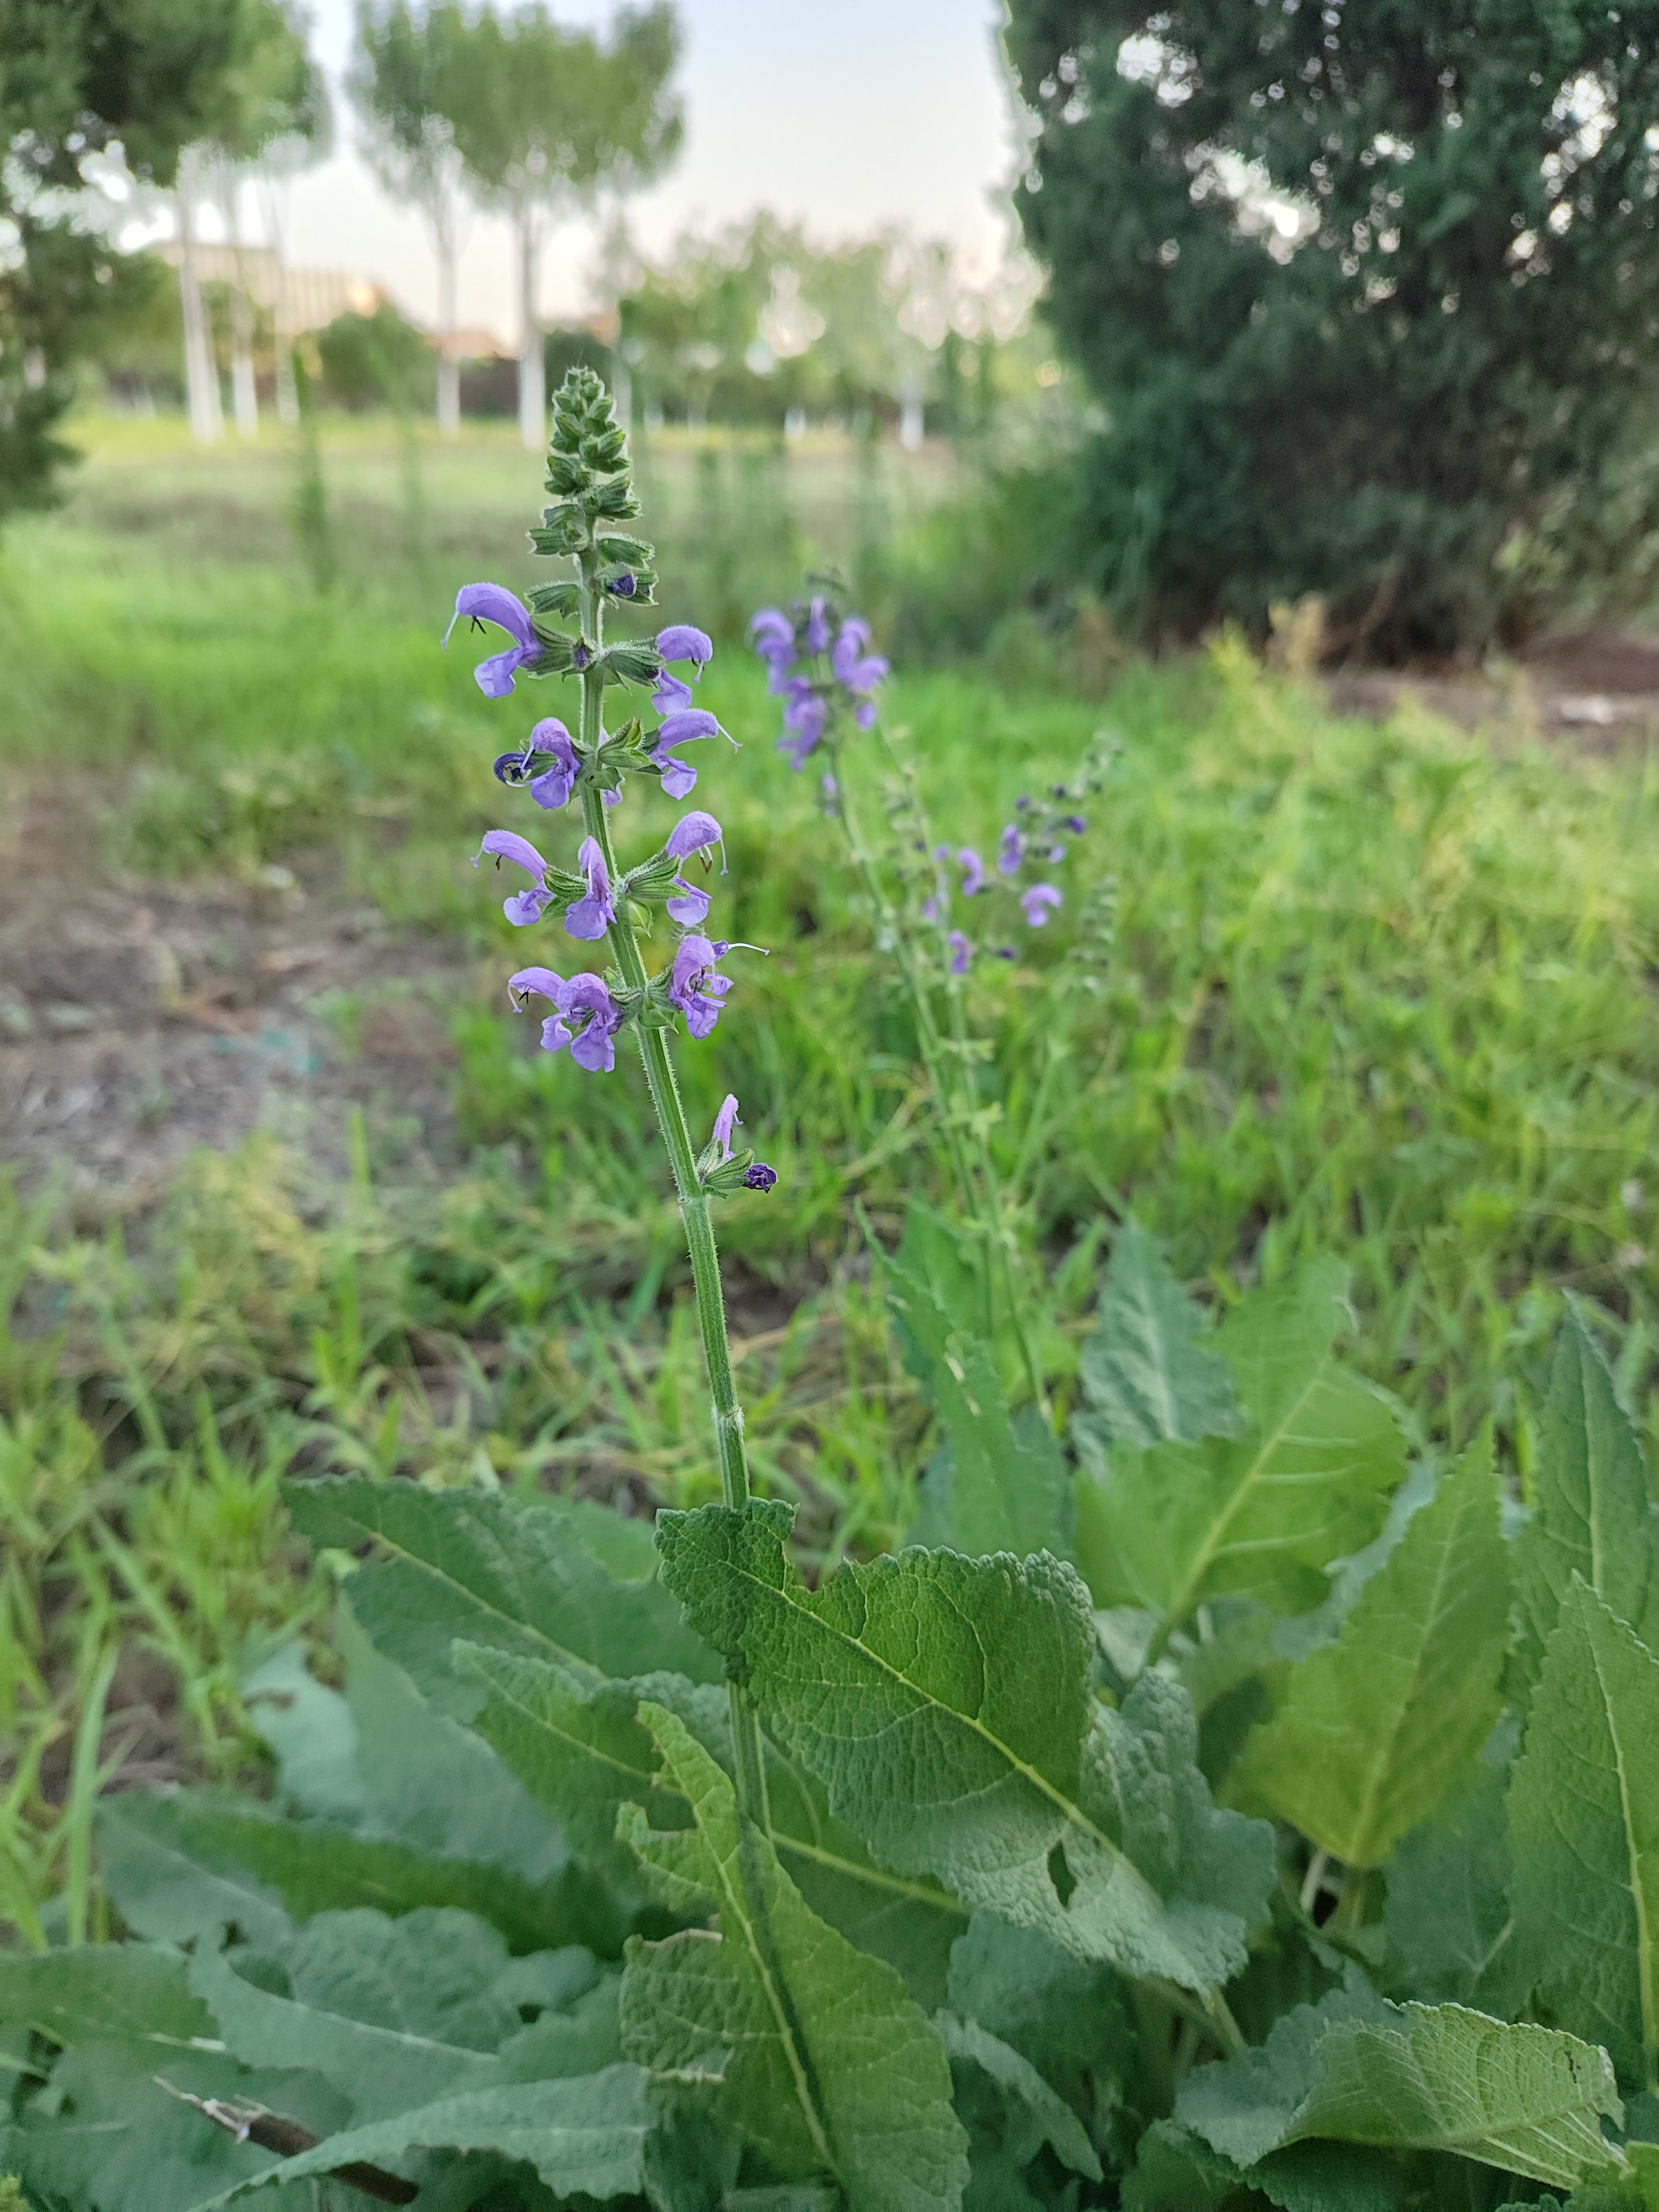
(1383, 990)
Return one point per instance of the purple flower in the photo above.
(482, 603)
(1075, 823)
(1056, 853)
(816, 639)
(858, 671)
(553, 788)
(524, 906)
(760, 1176)
(590, 917)
(803, 721)
(697, 987)
(930, 909)
(724, 1122)
(545, 982)
(584, 1000)
(1012, 851)
(961, 952)
(1037, 901)
(681, 641)
(693, 833)
(689, 904)
(624, 586)
(973, 872)
(685, 727)
(774, 635)
(672, 693)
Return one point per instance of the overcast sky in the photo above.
(846, 116)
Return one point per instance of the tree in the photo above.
(80, 79)
(402, 84)
(1370, 295)
(546, 119)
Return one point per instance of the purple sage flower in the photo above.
(685, 726)
(774, 635)
(672, 693)
(961, 952)
(590, 917)
(697, 987)
(681, 641)
(494, 603)
(553, 786)
(724, 1122)
(816, 639)
(852, 666)
(973, 872)
(543, 982)
(760, 1176)
(1038, 902)
(624, 587)
(694, 833)
(585, 1001)
(1075, 823)
(1012, 851)
(524, 906)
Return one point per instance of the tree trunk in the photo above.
(243, 387)
(207, 422)
(449, 369)
(532, 368)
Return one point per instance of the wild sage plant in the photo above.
(920, 890)
(562, 633)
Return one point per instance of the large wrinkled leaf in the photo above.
(1263, 1514)
(1448, 1920)
(1584, 1828)
(1066, 2015)
(1050, 2117)
(105, 2137)
(479, 1567)
(187, 1865)
(395, 2013)
(582, 1751)
(1147, 1374)
(1001, 1777)
(585, 2136)
(828, 2061)
(1525, 2100)
(1593, 1515)
(1176, 2171)
(1374, 1729)
(1002, 1486)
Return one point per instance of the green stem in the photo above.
(693, 1199)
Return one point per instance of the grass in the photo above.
(1386, 990)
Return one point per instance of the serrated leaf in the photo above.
(1585, 1829)
(377, 2071)
(1006, 1781)
(1372, 1730)
(184, 1865)
(483, 1568)
(1146, 1372)
(582, 1751)
(1525, 2100)
(828, 2063)
(585, 2136)
(1593, 1514)
(1448, 1920)
(1355, 2070)
(1006, 1489)
(1051, 2117)
(1264, 1514)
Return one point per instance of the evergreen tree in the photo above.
(1371, 295)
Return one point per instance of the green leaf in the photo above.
(1067, 2016)
(485, 1568)
(1584, 1828)
(828, 2063)
(1052, 2117)
(1176, 2171)
(187, 1865)
(1592, 1515)
(1264, 1514)
(1525, 2100)
(1448, 1920)
(1147, 1375)
(1006, 1781)
(582, 1753)
(1374, 1729)
(1007, 1489)
(377, 2071)
(585, 2136)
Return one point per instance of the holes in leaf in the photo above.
(1061, 1875)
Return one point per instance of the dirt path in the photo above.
(140, 1020)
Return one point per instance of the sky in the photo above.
(846, 116)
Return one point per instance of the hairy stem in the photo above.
(693, 1199)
